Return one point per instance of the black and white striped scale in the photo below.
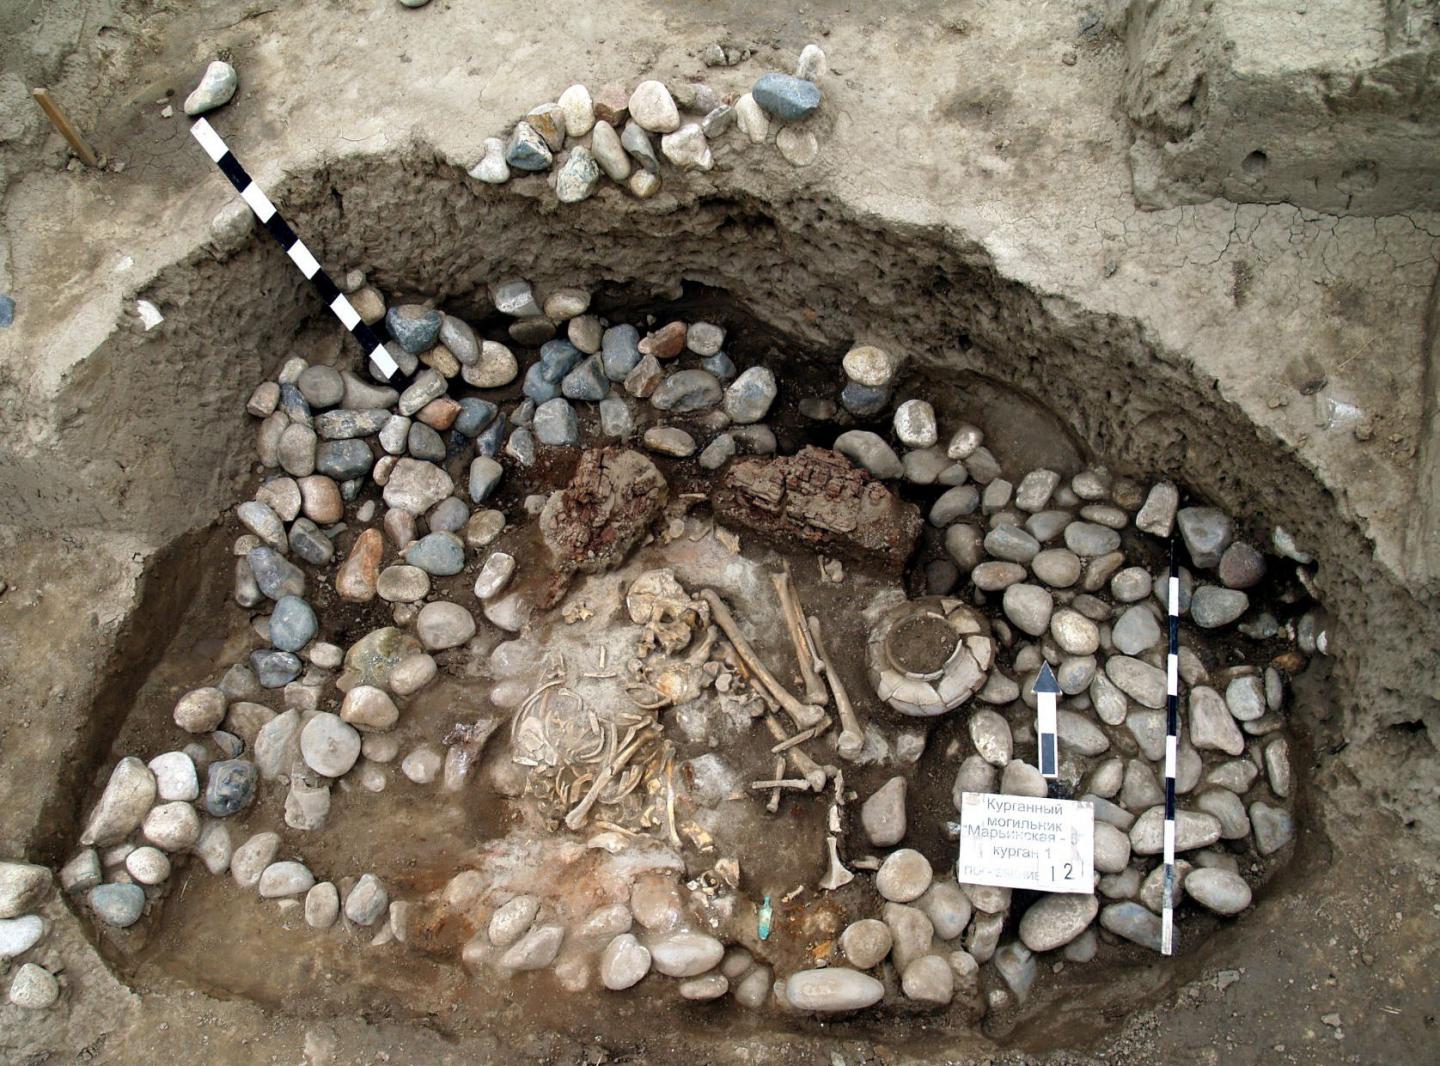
(1172, 729)
(384, 366)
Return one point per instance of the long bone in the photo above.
(805, 766)
(794, 617)
(851, 739)
(803, 715)
(633, 742)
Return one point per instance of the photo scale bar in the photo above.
(300, 255)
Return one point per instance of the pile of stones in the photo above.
(583, 138)
(24, 890)
(384, 499)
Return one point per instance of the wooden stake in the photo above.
(61, 122)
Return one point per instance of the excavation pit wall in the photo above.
(157, 442)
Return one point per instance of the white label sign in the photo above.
(1021, 842)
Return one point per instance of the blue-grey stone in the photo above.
(7, 312)
(521, 447)
(424, 443)
(786, 96)
(687, 390)
(719, 364)
(292, 624)
(475, 414)
(294, 405)
(415, 328)
(276, 575)
(537, 387)
(275, 669)
(862, 400)
(440, 554)
(749, 398)
(343, 459)
(350, 489)
(527, 150)
(344, 425)
(230, 787)
(229, 744)
(555, 423)
(615, 419)
(523, 413)
(118, 905)
(637, 142)
(559, 358)
(485, 474)
(492, 437)
(620, 351)
(448, 516)
(587, 381)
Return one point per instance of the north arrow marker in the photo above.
(1046, 690)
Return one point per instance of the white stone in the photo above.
(687, 148)
(175, 777)
(578, 109)
(34, 988)
(751, 119)
(149, 866)
(172, 826)
(250, 858)
(832, 989)
(287, 878)
(328, 745)
(623, 963)
(123, 805)
(653, 108)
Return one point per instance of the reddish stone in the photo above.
(440, 413)
(356, 578)
(666, 342)
(612, 105)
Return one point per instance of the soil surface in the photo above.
(973, 199)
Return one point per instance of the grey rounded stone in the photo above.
(749, 397)
(117, 905)
(929, 979)
(1112, 849)
(1075, 633)
(526, 149)
(1207, 532)
(1212, 727)
(687, 390)
(1219, 890)
(947, 907)
(1055, 920)
(292, 624)
(1057, 567)
(1273, 827)
(229, 787)
(667, 440)
(863, 401)
(871, 452)
(866, 942)
(1029, 607)
(1138, 680)
(883, 814)
(1012, 544)
(281, 879)
(903, 876)
(444, 625)
(322, 905)
(1134, 922)
(578, 177)
(624, 963)
(915, 424)
(686, 954)
(954, 503)
(438, 554)
(990, 734)
(785, 96)
(329, 745)
(1212, 606)
(34, 987)
(1088, 540)
(367, 901)
(833, 989)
